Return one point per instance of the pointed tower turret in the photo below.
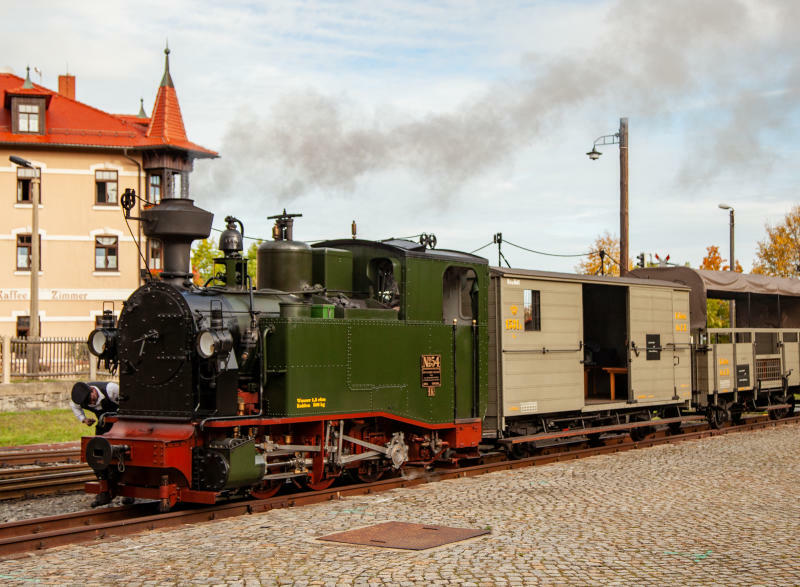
(171, 157)
(166, 123)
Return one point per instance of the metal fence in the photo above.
(47, 358)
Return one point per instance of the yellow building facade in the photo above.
(88, 255)
(85, 160)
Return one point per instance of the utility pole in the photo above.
(623, 197)
(621, 138)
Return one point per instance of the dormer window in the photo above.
(28, 118)
(28, 115)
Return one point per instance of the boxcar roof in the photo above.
(600, 279)
(722, 284)
(724, 281)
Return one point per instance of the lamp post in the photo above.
(620, 138)
(731, 303)
(733, 259)
(33, 332)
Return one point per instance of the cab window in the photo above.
(459, 295)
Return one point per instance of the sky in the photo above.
(462, 118)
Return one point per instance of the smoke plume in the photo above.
(739, 56)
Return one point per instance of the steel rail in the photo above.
(34, 471)
(41, 533)
(43, 481)
(34, 457)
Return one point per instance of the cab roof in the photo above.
(405, 248)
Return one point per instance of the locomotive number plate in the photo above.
(431, 372)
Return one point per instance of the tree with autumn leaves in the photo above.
(718, 313)
(713, 261)
(609, 244)
(779, 253)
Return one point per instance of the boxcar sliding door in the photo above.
(651, 325)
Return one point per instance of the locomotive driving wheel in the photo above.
(370, 471)
(320, 485)
(267, 489)
(321, 474)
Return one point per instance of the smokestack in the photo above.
(176, 222)
(66, 86)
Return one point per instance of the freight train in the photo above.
(355, 358)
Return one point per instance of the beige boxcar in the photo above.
(563, 343)
(756, 362)
(761, 357)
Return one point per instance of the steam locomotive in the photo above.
(360, 358)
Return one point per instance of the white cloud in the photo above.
(460, 118)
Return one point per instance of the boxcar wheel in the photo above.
(783, 412)
(640, 433)
(519, 451)
(594, 439)
(717, 416)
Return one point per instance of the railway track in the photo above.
(34, 482)
(39, 454)
(41, 533)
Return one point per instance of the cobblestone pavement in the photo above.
(718, 511)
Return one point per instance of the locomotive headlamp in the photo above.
(97, 342)
(103, 341)
(213, 342)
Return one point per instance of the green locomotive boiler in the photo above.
(350, 356)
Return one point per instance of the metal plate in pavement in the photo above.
(404, 535)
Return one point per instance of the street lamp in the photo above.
(733, 259)
(33, 332)
(620, 138)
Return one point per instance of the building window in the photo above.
(154, 189)
(105, 253)
(154, 254)
(24, 253)
(28, 118)
(106, 187)
(23, 330)
(533, 313)
(25, 177)
(177, 185)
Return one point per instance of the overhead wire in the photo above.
(481, 248)
(549, 254)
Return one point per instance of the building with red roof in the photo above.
(85, 159)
